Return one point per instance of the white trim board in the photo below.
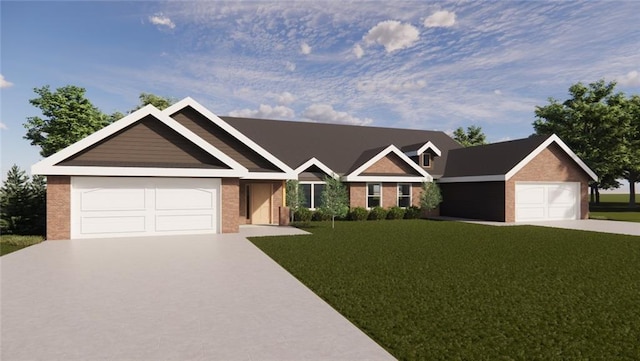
(190, 102)
(424, 148)
(314, 161)
(356, 177)
(48, 165)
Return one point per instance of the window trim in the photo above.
(367, 194)
(424, 156)
(312, 184)
(398, 193)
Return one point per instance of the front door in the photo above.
(260, 203)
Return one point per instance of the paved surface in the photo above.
(167, 298)
(594, 225)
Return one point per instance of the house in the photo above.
(185, 170)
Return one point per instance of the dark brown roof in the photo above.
(339, 147)
(490, 159)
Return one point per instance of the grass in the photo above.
(444, 290)
(616, 216)
(616, 198)
(11, 243)
(615, 207)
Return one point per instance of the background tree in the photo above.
(22, 204)
(68, 117)
(295, 197)
(431, 197)
(631, 166)
(334, 198)
(595, 123)
(473, 136)
(157, 101)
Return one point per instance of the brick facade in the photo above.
(58, 207)
(230, 195)
(357, 195)
(551, 165)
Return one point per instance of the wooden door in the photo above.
(260, 203)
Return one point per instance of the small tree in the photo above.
(22, 203)
(295, 197)
(473, 136)
(334, 198)
(430, 197)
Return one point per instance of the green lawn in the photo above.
(12, 243)
(428, 290)
(617, 198)
(616, 216)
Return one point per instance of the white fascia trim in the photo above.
(188, 101)
(427, 145)
(355, 175)
(385, 179)
(543, 146)
(480, 178)
(48, 164)
(317, 163)
(142, 172)
(270, 175)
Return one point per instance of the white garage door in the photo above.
(123, 206)
(547, 201)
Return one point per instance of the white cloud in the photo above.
(4, 83)
(305, 48)
(393, 35)
(497, 92)
(265, 112)
(390, 85)
(358, 51)
(290, 66)
(324, 113)
(3, 126)
(631, 79)
(285, 98)
(440, 19)
(162, 20)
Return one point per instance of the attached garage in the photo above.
(143, 206)
(547, 201)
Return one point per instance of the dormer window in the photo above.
(426, 160)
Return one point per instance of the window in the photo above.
(426, 160)
(374, 194)
(312, 194)
(404, 195)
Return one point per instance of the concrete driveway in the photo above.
(167, 298)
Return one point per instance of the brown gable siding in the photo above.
(226, 143)
(551, 165)
(146, 143)
(391, 164)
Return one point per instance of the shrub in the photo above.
(377, 213)
(412, 212)
(358, 214)
(303, 215)
(396, 213)
(321, 215)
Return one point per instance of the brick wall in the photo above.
(357, 195)
(389, 195)
(551, 165)
(230, 195)
(58, 207)
(416, 191)
(391, 164)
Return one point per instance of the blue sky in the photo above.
(419, 65)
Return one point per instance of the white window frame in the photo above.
(367, 194)
(427, 156)
(398, 193)
(312, 183)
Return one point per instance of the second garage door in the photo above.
(119, 206)
(547, 201)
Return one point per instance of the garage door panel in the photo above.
(547, 201)
(184, 199)
(184, 222)
(115, 224)
(110, 199)
(119, 206)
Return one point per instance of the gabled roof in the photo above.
(338, 146)
(313, 162)
(501, 161)
(286, 170)
(372, 156)
(51, 166)
(415, 150)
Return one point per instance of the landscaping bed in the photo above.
(447, 290)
